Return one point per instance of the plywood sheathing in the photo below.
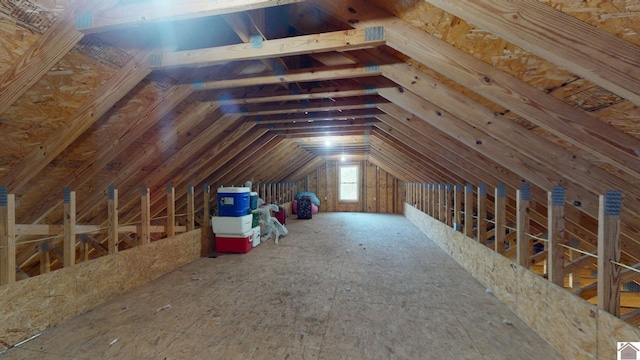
(40, 303)
(613, 16)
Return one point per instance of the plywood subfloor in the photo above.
(339, 286)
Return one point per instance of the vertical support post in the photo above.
(523, 225)
(556, 235)
(274, 193)
(269, 199)
(457, 209)
(191, 225)
(500, 217)
(434, 201)
(206, 194)
(145, 211)
(448, 206)
(206, 236)
(468, 210)
(112, 242)
(7, 237)
(427, 206)
(171, 211)
(482, 213)
(84, 248)
(69, 227)
(442, 200)
(45, 258)
(608, 251)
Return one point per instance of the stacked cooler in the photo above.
(236, 224)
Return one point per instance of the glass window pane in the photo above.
(348, 189)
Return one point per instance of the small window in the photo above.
(348, 183)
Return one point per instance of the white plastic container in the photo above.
(256, 236)
(231, 225)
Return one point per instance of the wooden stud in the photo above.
(171, 211)
(427, 205)
(84, 248)
(556, 235)
(482, 214)
(609, 250)
(500, 218)
(190, 209)
(112, 242)
(69, 227)
(7, 237)
(448, 205)
(145, 216)
(442, 201)
(45, 258)
(523, 199)
(468, 210)
(435, 195)
(207, 245)
(457, 208)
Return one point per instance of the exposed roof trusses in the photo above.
(98, 93)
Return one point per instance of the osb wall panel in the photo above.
(33, 305)
(378, 192)
(99, 137)
(51, 101)
(617, 17)
(21, 24)
(574, 327)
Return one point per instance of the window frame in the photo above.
(357, 183)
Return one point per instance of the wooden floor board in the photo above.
(339, 286)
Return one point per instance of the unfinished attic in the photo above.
(504, 133)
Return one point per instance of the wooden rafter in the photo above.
(44, 54)
(90, 111)
(592, 53)
(573, 125)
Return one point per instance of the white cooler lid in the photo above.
(233, 190)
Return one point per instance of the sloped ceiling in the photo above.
(123, 93)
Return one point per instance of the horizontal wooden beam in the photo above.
(304, 75)
(48, 230)
(141, 13)
(332, 41)
(362, 102)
